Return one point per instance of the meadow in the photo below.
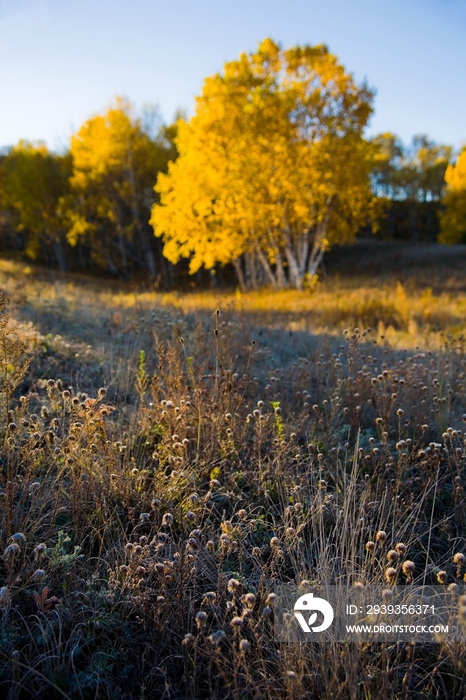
(169, 458)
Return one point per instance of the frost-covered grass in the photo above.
(164, 466)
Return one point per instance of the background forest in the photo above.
(272, 170)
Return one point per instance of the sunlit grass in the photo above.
(408, 313)
(162, 472)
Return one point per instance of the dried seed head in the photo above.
(401, 548)
(11, 551)
(5, 597)
(462, 614)
(217, 637)
(250, 599)
(390, 574)
(18, 537)
(233, 585)
(210, 597)
(237, 622)
(393, 555)
(40, 550)
(201, 618)
(459, 558)
(442, 577)
(167, 519)
(381, 536)
(408, 567)
(244, 645)
(38, 575)
(387, 595)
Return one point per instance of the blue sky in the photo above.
(61, 61)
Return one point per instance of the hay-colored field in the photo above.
(165, 468)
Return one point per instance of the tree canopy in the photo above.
(409, 182)
(115, 163)
(273, 167)
(453, 219)
(34, 185)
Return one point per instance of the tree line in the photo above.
(270, 172)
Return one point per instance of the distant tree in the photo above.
(115, 162)
(34, 183)
(272, 169)
(409, 181)
(453, 218)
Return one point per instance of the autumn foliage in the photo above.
(272, 170)
(453, 219)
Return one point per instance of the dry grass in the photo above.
(155, 490)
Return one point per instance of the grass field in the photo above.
(167, 459)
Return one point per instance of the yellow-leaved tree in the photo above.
(115, 161)
(453, 218)
(272, 169)
(35, 184)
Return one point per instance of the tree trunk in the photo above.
(60, 256)
(266, 267)
(279, 271)
(122, 249)
(318, 247)
(250, 260)
(315, 260)
(147, 250)
(303, 252)
(111, 267)
(145, 244)
(239, 273)
(296, 280)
